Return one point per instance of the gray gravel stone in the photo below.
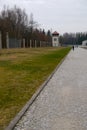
(62, 105)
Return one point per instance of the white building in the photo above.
(84, 43)
(55, 39)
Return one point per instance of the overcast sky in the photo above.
(60, 15)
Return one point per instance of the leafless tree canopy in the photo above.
(16, 22)
(13, 20)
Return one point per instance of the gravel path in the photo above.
(62, 105)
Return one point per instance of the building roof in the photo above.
(55, 33)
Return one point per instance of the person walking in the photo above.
(73, 48)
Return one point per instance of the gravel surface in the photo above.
(62, 105)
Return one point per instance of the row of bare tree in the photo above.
(73, 38)
(15, 21)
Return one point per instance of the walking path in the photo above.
(62, 105)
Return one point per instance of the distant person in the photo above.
(73, 48)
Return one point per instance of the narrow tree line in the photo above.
(73, 38)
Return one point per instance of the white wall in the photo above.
(55, 43)
(84, 43)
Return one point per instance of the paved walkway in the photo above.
(62, 105)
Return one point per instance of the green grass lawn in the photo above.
(22, 71)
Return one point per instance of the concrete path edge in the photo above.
(15, 120)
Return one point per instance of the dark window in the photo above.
(55, 39)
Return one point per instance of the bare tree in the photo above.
(32, 24)
(13, 20)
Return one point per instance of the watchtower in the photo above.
(55, 39)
